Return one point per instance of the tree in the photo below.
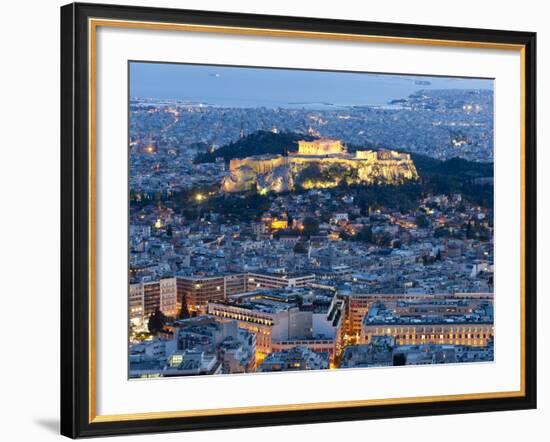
(256, 143)
(300, 247)
(132, 329)
(365, 234)
(290, 220)
(156, 322)
(422, 221)
(311, 226)
(325, 216)
(382, 239)
(399, 359)
(184, 311)
(344, 236)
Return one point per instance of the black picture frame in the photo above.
(75, 221)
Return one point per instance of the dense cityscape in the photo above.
(275, 239)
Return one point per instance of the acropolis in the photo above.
(320, 163)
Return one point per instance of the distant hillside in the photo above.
(455, 176)
(455, 167)
(258, 143)
(266, 142)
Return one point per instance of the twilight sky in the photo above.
(254, 87)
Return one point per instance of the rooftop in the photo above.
(380, 314)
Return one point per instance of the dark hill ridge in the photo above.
(266, 142)
(257, 143)
(455, 167)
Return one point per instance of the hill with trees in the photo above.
(257, 143)
(265, 142)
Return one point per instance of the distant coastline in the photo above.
(247, 87)
(391, 102)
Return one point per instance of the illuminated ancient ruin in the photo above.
(320, 163)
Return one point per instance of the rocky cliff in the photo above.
(277, 173)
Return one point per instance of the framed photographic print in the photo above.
(279, 220)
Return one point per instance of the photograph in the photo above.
(296, 219)
(270, 221)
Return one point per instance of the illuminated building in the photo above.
(151, 298)
(199, 291)
(273, 281)
(146, 297)
(323, 146)
(258, 322)
(283, 319)
(358, 304)
(168, 297)
(136, 305)
(278, 224)
(430, 321)
(235, 283)
(278, 173)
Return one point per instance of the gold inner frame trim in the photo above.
(93, 24)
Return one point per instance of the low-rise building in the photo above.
(383, 351)
(428, 354)
(191, 362)
(379, 353)
(296, 358)
(234, 347)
